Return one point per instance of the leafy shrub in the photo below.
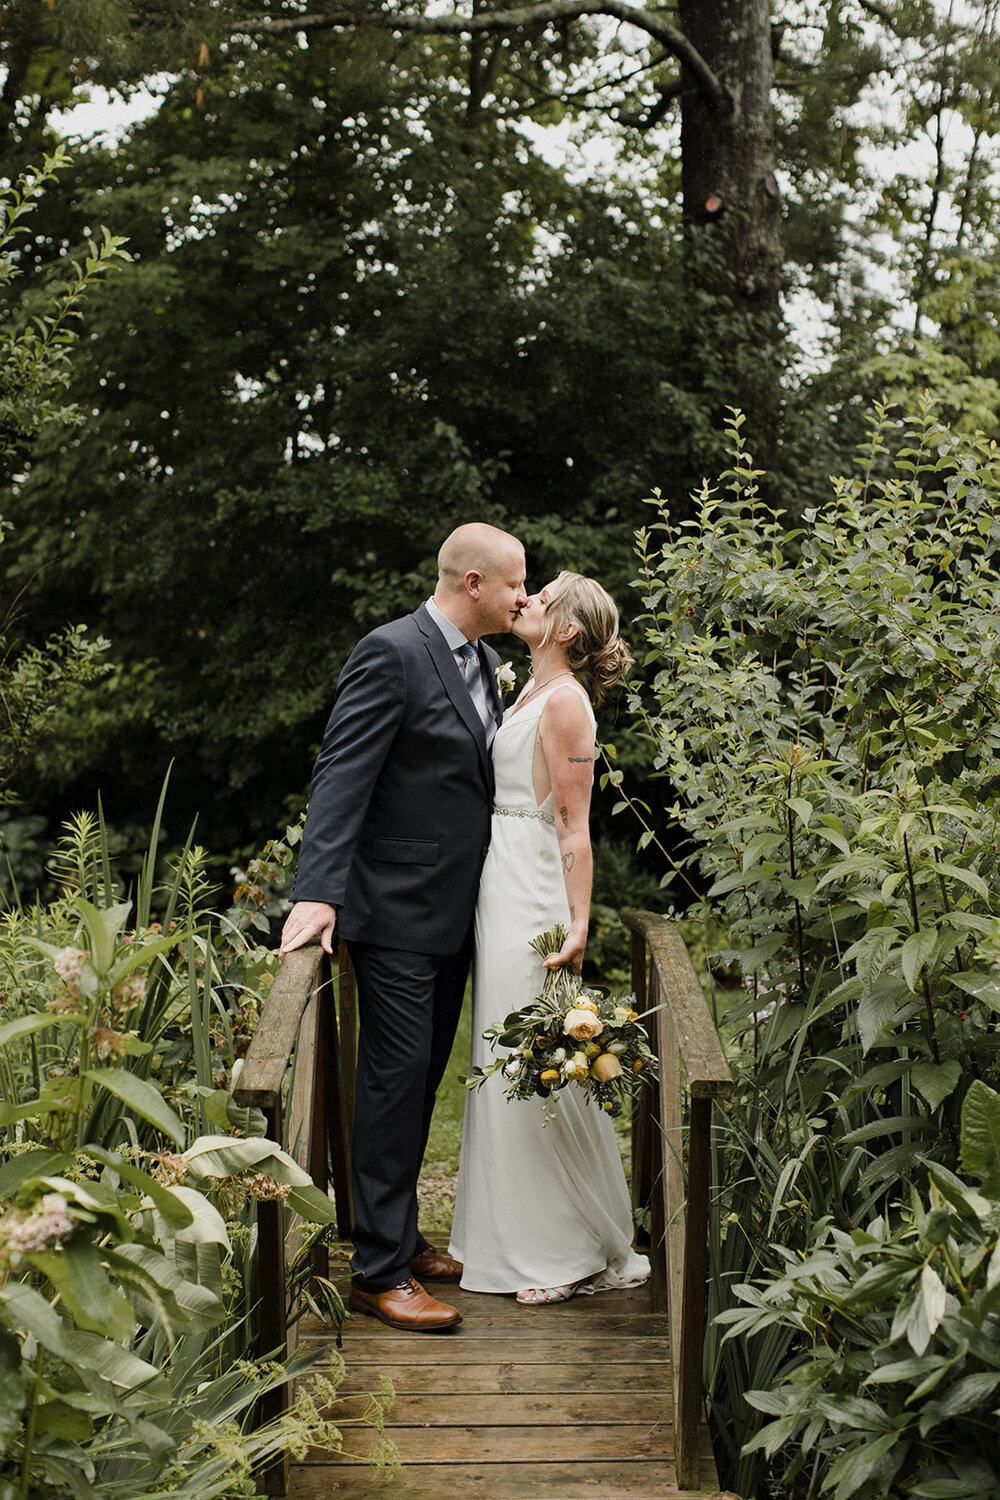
(823, 704)
(894, 1385)
(127, 1197)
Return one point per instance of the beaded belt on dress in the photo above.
(525, 812)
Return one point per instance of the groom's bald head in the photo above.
(475, 548)
(480, 578)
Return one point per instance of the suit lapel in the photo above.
(451, 680)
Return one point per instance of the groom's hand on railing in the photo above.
(306, 921)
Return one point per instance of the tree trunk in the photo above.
(729, 187)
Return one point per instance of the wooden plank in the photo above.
(705, 1062)
(544, 1445)
(267, 1057)
(461, 1408)
(452, 1352)
(520, 1481)
(651, 1376)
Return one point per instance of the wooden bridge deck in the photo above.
(551, 1403)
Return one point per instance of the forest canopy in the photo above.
(369, 297)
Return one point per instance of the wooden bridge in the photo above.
(597, 1397)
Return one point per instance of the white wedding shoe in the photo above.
(538, 1296)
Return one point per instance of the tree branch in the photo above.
(517, 17)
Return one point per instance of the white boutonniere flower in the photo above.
(506, 679)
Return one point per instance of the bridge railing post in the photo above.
(300, 1018)
(672, 1158)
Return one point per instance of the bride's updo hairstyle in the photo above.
(596, 649)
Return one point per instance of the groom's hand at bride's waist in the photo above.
(308, 920)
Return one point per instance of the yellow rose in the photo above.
(550, 1075)
(581, 1024)
(592, 1049)
(606, 1067)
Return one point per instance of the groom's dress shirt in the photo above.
(466, 654)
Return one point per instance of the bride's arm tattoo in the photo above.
(580, 760)
(564, 814)
(568, 861)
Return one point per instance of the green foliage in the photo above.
(892, 1388)
(821, 701)
(40, 683)
(35, 350)
(128, 1276)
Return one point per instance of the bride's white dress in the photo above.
(538, 1205)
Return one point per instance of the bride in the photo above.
(542, 1210)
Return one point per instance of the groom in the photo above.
(394, 843)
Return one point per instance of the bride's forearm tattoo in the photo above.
(568, 861)
(564, 814)
(580, 760)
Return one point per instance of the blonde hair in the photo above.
(596, 649)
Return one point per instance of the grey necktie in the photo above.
(477, 688)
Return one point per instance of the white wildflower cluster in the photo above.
(47, 1225)
(69, 966)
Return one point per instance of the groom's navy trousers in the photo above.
(397, 831)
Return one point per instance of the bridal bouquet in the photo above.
(569, 1034)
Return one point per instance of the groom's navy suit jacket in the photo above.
(399, 812)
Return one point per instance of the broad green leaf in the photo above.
(934, 1298)
(78, 1274)
(140, 1096)
(202, 1308)
(916, 951)
(226, 1156)
(967, 877)
(169, 1201)
(14, 1174)
(22, 1026)
(312, 1204)
(980, 1136)
(103, 927)
(120, 1367)
(801, 808)
(29, 1308)
(935, 1081)
(205, 1225)
(980, 984)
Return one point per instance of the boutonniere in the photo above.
(506, 679)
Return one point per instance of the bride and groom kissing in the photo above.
(441, 833)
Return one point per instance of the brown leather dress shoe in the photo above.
(406, 1306)
(434, 1265)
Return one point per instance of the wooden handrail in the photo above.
(306, 1017)
(676, 1191)
(300, 1020)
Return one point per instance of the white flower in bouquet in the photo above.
(506, 679)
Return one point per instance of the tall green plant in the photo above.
(893, 1385)
(824, 705)
(127, 1260)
